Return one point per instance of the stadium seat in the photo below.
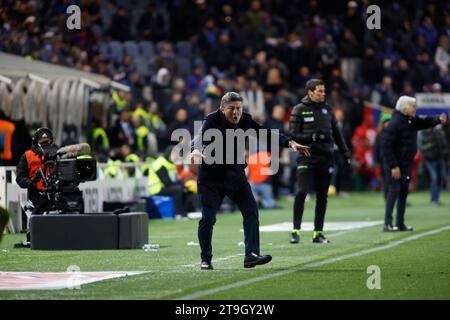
(184, 49)
(125, 3)
(142, 66)
(160, 44)
(105, 14)
(104, 49)
(116, 50)
(131, 49)
(198, 61)
(184, 66)
(146, 49)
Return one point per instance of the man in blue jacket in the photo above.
(219, 179)
(399, 146)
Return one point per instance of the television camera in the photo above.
(64, 169)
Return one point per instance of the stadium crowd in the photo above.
(180, 56)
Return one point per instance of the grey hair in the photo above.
(230, 97)
(403, 102)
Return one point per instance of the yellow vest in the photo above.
(155, 185)
(145, 169)
(132, 158)
(156, 122)
(140, 112)
(141, 134)
(120, 103)
(100, 132)
(112, 170)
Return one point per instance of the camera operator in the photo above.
(27, 171)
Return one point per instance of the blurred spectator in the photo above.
(350, 57)
(277, 121)
(384, 93)
(442, 58)
(120, 25)
(154, 24)
(363, 143)
(194, 78)
(207, 41)
(300, 79)
(372, 68)
(177, 102)
(166, 59)
(142, 144)
(402, 75)
(424, 71)
(223, 52)
(123, 131)
(404, 38)
(7, 129)
(99, 140)
(378, 151)
(429, 32)
(254, 101)
(180, 122)
(353, 20)
(161, 88)
(163, 181)
(435, 149)
(340, 173)
(258, 167)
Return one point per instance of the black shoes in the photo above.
(206, 265)
(389, 228)
(404, 228)
(295, 237)
(250, 261)
(22, 244)
(253, 260)
(320, 239)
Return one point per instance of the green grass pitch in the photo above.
(416, 269)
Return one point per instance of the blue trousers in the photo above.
(437, 171)
(211, 197)
(265, 191)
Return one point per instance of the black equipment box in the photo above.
(88, 231)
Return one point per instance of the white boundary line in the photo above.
(336, 234)
(311, 265)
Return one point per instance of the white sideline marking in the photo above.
(311, 265)
(329, 226)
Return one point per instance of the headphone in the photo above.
(39, 133)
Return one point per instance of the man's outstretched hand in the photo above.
(348, 157)
(196, 157)
(443, 118)
(300, 148)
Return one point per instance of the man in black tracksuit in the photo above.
(399, 146)
(216, 180)
(312, 123)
